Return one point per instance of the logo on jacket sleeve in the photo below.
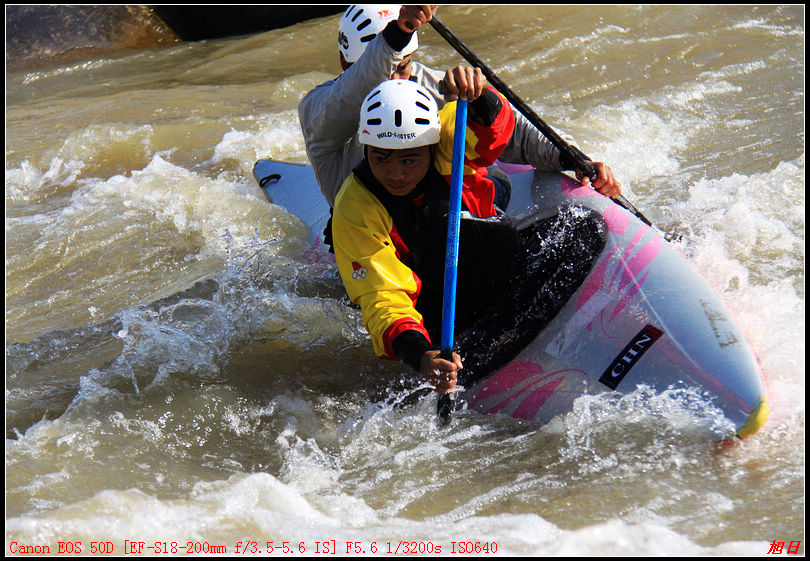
(359, 271)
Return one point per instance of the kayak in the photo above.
(640, 317)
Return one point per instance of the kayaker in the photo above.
(377, 43)
(390, 227)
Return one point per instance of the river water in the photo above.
(176, 376)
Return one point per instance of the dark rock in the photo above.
(38, 34)
(193, 23)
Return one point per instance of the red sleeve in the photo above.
(484, 144)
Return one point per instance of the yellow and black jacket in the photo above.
(390, 249)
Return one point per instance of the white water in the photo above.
(254, 410)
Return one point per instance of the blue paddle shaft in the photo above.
(453, 230)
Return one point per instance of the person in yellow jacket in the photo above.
(389, 228)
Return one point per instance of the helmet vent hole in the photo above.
(374, 106)
(420, 121)
(422, 106)
(374, 121)
(398, 118)
(363, 25)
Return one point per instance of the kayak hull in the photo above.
(642, 317)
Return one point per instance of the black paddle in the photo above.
(572, 154)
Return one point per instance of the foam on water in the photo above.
(745, 234)
(274, 136)
(27, 182)
(163, 212)
(31, 77)
(315, 496)
(259, 508)
(257, 412)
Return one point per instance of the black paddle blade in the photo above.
(444, 407)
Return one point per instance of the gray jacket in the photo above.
(330, 113)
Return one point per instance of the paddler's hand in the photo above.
(441, 373)
(412, 18)
(463, 82)
(605, 183)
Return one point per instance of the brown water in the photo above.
(249, 407)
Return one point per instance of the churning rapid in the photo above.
(177, 378)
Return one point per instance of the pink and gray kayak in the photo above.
(641, 317)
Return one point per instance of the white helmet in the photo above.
(399, 114)
(360, 24)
